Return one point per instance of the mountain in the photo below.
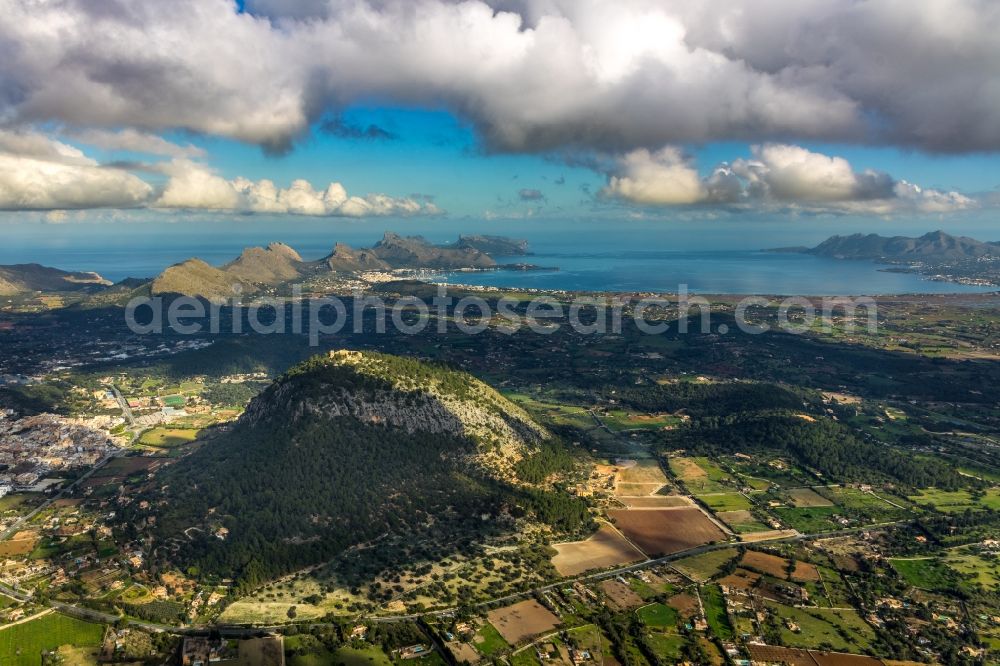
(497, 246)
(415, 252)
(344, 450)
(345, 259)
(936, 246)
(21, 278)
(194, 277)
(274, 264)
(258, 268)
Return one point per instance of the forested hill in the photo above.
(346, 450)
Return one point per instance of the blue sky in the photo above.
(431, 152)
(491, 112)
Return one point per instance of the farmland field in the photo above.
(807, 497)
(620, 596)
(666, 646)
(657, 615)
(926, 573)
(699, 475)
(666, 531)
(704, 566)
(605, 548)
(741, 522)
(957, 501)
(765, 563)
(655, 501)
(868, 505)
(21, 543)
(975, 568)
(618, 420)
(810, 519)
(23, 644)
(842, 629)
(488, 640)
(715, 612)
(522, 620)
(725, 501)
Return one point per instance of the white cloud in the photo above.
(776, 176)
(137, 142)
(41, 173)
(532, 75)
(37, 173)
(194, 186)
(662, 178)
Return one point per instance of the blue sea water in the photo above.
(620, 257)
(708, 272)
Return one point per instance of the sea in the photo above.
(584, 257)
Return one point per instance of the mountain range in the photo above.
(936, 246)
(260, 268)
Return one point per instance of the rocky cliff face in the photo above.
(416, 252)
(378, 389)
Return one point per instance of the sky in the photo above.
(470, 114)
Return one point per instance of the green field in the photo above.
(168, 437)
(956, 501)
(975, 568)
(618, 420)
(23, 644)
(553, 412)
(866, 505)
(809, 520)
(488, 640)
(657, 615)
(926, 573)
(746, 527)
(704, 566)
(372, 656)
(715, 612)
(821, 628)
(725, 501)
(700, 475)
(665, 646)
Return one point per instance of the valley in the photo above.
(650, 497)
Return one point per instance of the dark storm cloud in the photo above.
(338, 127)
(530, 75)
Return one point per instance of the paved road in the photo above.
(20, 522)
(636, 567)
(236, 630)
(126, 410)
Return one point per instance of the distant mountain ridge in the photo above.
(499, 246)
(259, 268)
(21, 278)
(936, 246)
(937, 255)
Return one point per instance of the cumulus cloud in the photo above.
(531, 75)
(662, 178)
(41, 173)
(37, 173)
(194, 186)
(776, 175)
